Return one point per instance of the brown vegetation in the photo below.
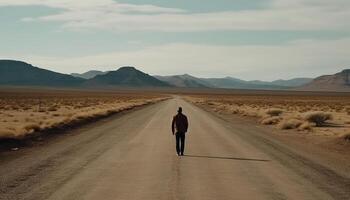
(24, 113)
(302, 112)
(347, 137)
(318, 117)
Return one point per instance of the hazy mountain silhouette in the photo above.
(23, 74)
(19, 73)
(284, 83)
(126, 76)
(89, 74)
(295, 82)
(231, 83)
(184, 81)
(338, 82)
(234, 83)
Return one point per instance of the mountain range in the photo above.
(230, 82)
(19, 73)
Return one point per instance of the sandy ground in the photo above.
(133, 157)
(24, 113)
(294, 111)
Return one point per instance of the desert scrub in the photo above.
(346, 137)
(306, 126)
(347, 110)
(270, 120)
(274, 112)
(290, 123)
(318, 117)
(32, 128)
(52, 108)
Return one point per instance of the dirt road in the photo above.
(133, 157)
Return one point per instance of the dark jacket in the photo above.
(180, 123)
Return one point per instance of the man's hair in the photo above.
(179, 110)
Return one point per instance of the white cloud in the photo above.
(111, 15)
(299, 58)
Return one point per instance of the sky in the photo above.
(255, 39)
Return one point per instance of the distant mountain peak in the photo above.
(127, 76)
(337, 82)
(128, 68)
(346, 71)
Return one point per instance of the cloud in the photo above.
(111, 15)
(297, 59)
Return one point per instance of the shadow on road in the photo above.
(226, 158)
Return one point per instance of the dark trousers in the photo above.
(180, 143)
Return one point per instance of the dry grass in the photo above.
(302, 112)
(23, 113)
(318, 117)
(290, 124)
(306, 126)
(274, 112)
(271, 120)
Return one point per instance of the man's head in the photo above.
(179, 110)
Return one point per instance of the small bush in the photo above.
(274, 112)
(32, 128)
(271, 120)
(235, 111)
(346, 137)
(290, 124)
(318, 117)
(306, 126)
(41, 110)
(52, 109)
(347, 110)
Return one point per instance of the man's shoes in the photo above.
(182, 154)
(177, 154)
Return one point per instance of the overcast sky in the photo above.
(255, 39)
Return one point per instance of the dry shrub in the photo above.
(14, 107)
(274, 112)
(318, 117)
(52, 109)
(271, 120)
(235, 111)
(210, 103)
(347, 110)
(346, 137)
(306, 126)
(290, 123)
(32, 128)
(41, 110)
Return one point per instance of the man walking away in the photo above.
(179, 128)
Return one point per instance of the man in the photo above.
(179, 128)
